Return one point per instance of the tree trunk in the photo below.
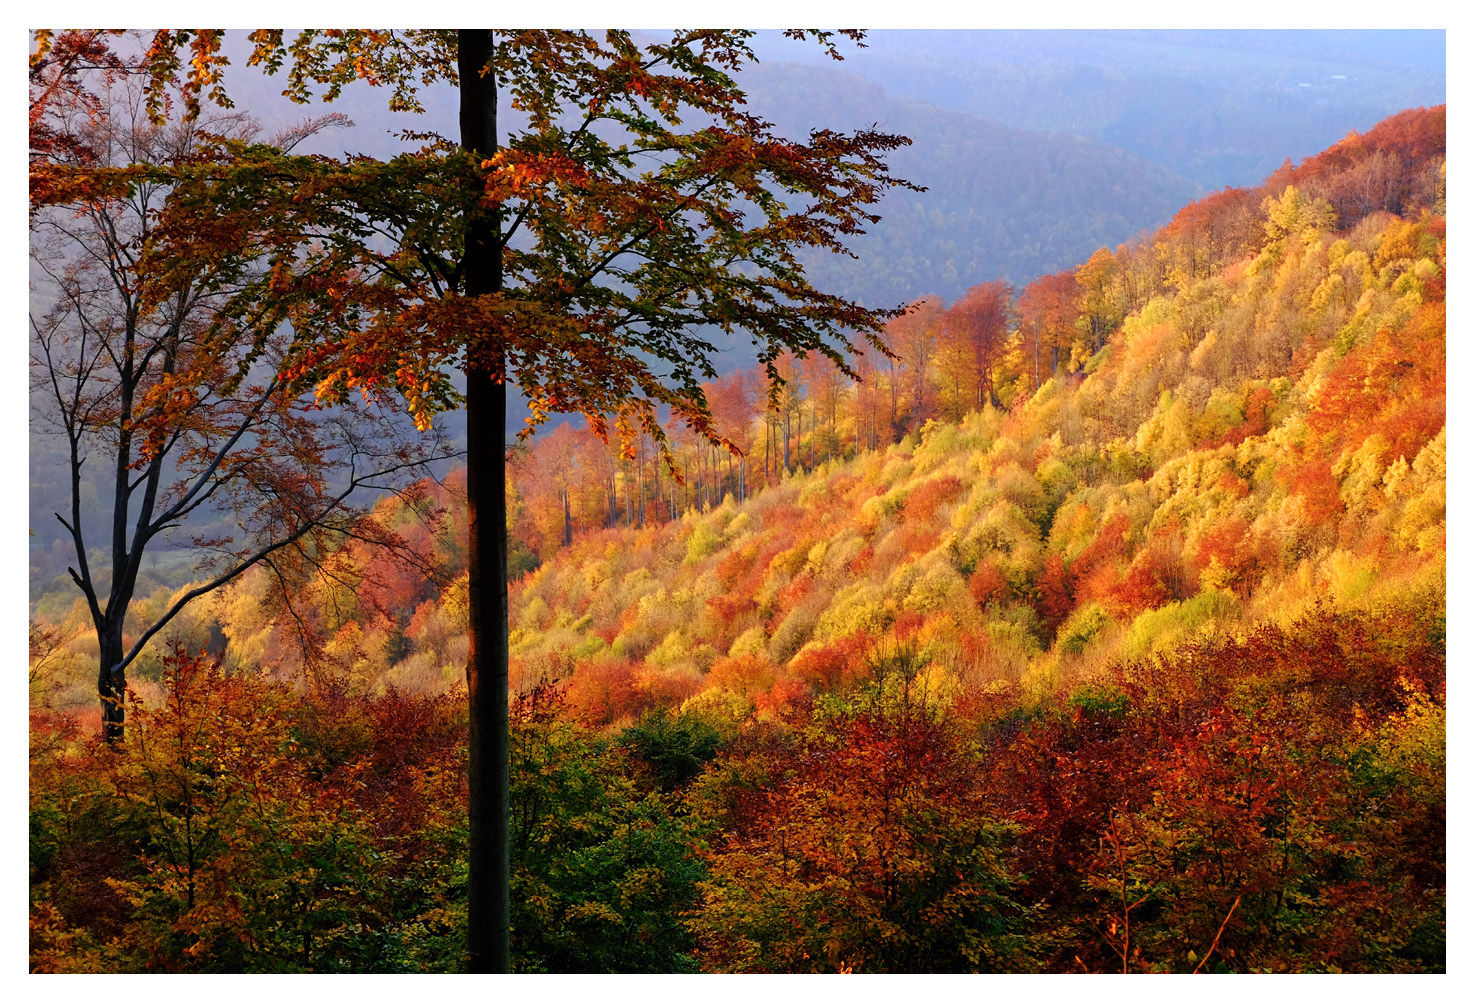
(768, 424)
(112, 683)
(831, 444)
(656, 483)
(488, 901)
(1037, 359)
(787, 470)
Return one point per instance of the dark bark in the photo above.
(1037, 359)
(112, 683)
(488, 903)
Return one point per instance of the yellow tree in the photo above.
(1099, 312)
(976, 330)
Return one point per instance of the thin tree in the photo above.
(175, 420)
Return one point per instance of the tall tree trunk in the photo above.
(874, 437)
(488, 901)
(656, 481)
(832, 444)
(767, 424)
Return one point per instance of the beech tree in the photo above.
(1099, 314)
(579, 254)
(976, 328)
(915, 335)
(1048, 315)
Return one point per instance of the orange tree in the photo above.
(581, 253)
(857, 840)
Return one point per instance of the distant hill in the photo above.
(1001, 202)
(1220, 107)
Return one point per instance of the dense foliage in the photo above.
(1102, 628)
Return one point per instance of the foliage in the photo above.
(240, 830)
(601, 874)
(867, 851)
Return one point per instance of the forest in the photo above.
(1095, 625)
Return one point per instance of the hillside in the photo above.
(1129, 589)
(1036, 148)
(1265, 432)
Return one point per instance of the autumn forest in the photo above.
(1090, 624)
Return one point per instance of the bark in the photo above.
(112, 683)
(488, 902)
(787, 469)
(641, 486)
(814, 424)
(1037, 360)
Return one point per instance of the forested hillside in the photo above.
(1099, 628)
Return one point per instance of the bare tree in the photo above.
(174, 416)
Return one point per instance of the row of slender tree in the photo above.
(934, 362)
